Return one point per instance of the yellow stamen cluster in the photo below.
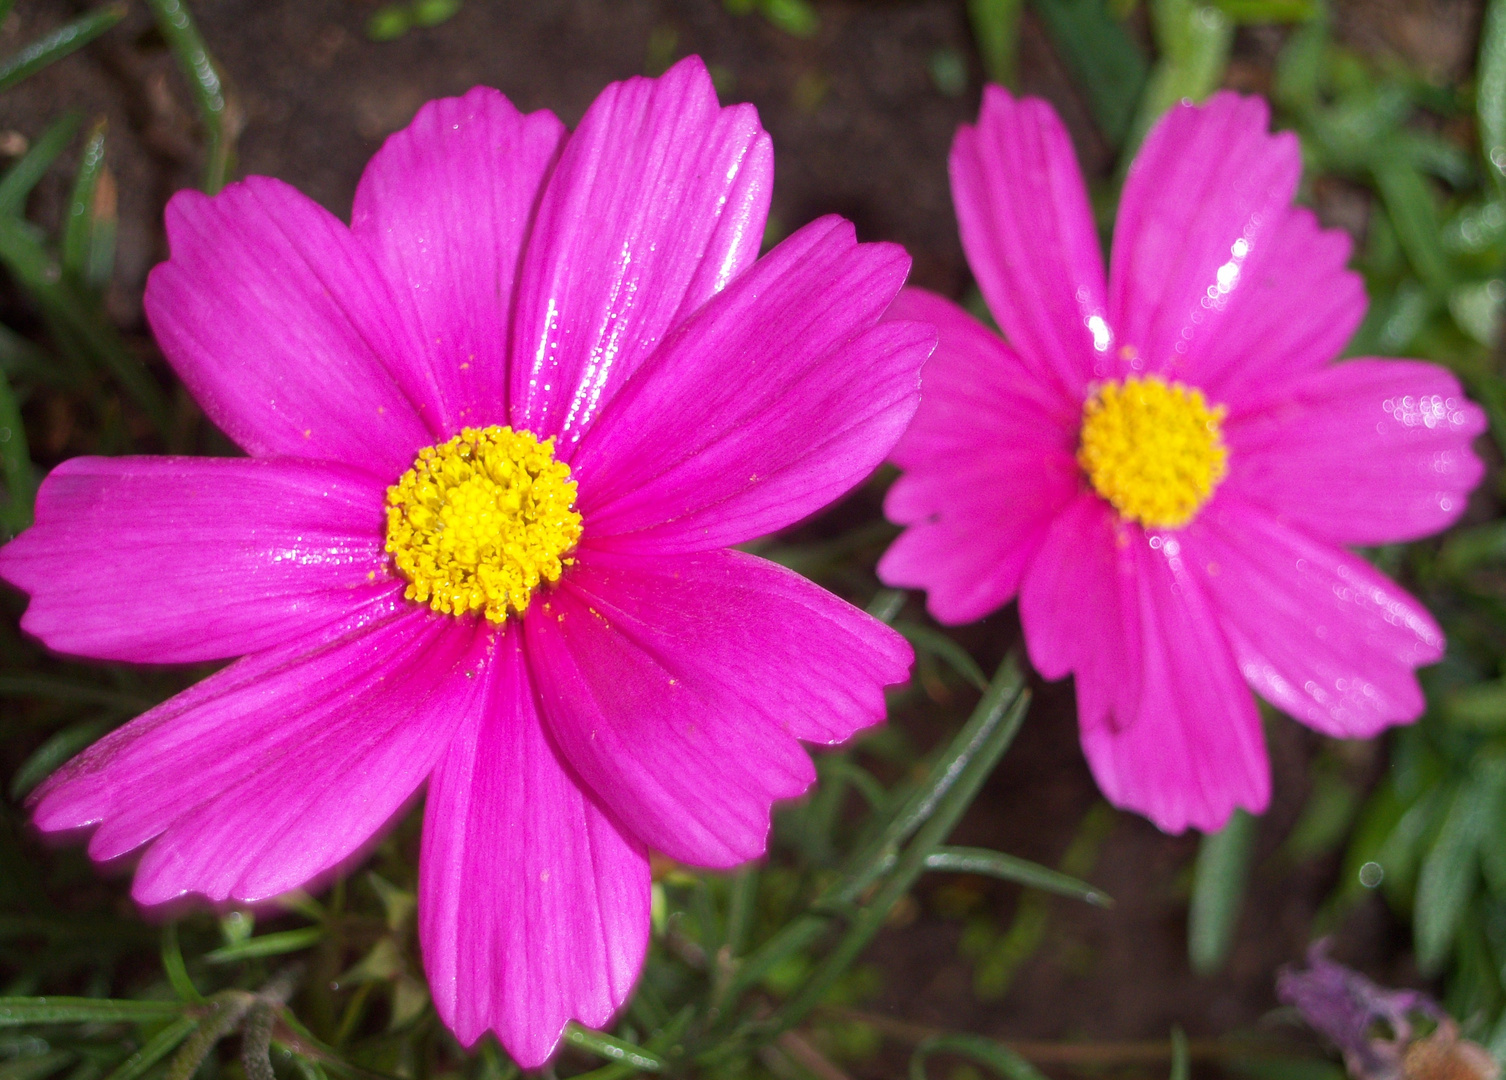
(1154, 450)
(480, 521)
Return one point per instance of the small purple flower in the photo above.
(502, 431)
(1163, 464)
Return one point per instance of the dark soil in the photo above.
(860, 128)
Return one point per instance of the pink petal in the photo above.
(1317, 632)
(1290, 315)
(678, 688)
(1030, 238)
(281, 326)
(1363, 452)
(1079, 605)
(281, 766)
(658, 201)
(445, 207)
(1204, 204)
(988, 464)
(1193, 749)
(533, 904)
(778, 396)
(178, 560)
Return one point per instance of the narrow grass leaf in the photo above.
(1449, 874)
(175, 968)
(1000, 1059)
(58, 44)
(89, 234)
(1218, 891)
(927, 639)
(188, 47)
(613, 1049)
(15, 465)
(1490, 90)
(1414, 214)
(1194, 41)
(278, 944)
(37, 1066)
(1109, 66)
(59, 748)
(971, 860)
(22, 177)
(17, 1011)
(1181, 1065)
(996, 32)
(157, 1047)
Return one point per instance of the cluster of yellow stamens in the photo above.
(1154, 450)
(480, 521)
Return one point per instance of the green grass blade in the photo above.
(1180, 1064)
(996, 32)
(1490, 90)
(15, 465)
(1194, 40)
(927, 639)
(89, 235)
(56, 750)
(278, 944)
(1109, 66)
(605, 1046)
(1218, 891)
(970, 860)
(58, 44)
(1414, 213)
(994, 1056)
(15, 1012)
(22, 177)
(37, 1066)
(157, 1048)
(198, 67)
(41, 277)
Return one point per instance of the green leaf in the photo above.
(795, 17)
(37, 1066)
(61, 746)
(613, 1049)
(970, 860)
(1194, 41)
(17, 1011)
(157, 1048)
(1109, 66)
(995, 1056)
(22, 177)
(16, 468)
(1490, 90)
(284, 941)
(996, 32)
(1245, 12)
(1218, 891)
(89, 235)
(198, 67)
(58, 44)
(927, 639)
(1181, 1066)
(176, 969)
(1413, 211)
(1480, 705)
(1449, 875)
(434, 12)
(389, 23)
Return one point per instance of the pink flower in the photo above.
(1163, 465)
(518, 319)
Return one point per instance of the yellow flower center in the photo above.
(1153, 449)
(480, 521)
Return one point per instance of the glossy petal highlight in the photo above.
(227, 556)
(280, 325)
(804, 397)
(1029, 235)
(668, 685)
(445, 207)
(534, 904)
(279, 767)
(658, 201)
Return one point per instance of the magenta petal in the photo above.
(177, 560)
(678, 688)
(446, 206)
(280, 324)
(775, 398)
(1317, 632)
(1293, 314)
(1203, 205)
(988, 464)
(1193, 749)
(658, 201)
(533, 903)
(1029, 236)
(282, 765)
(1362, 452)
(1080, 608)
